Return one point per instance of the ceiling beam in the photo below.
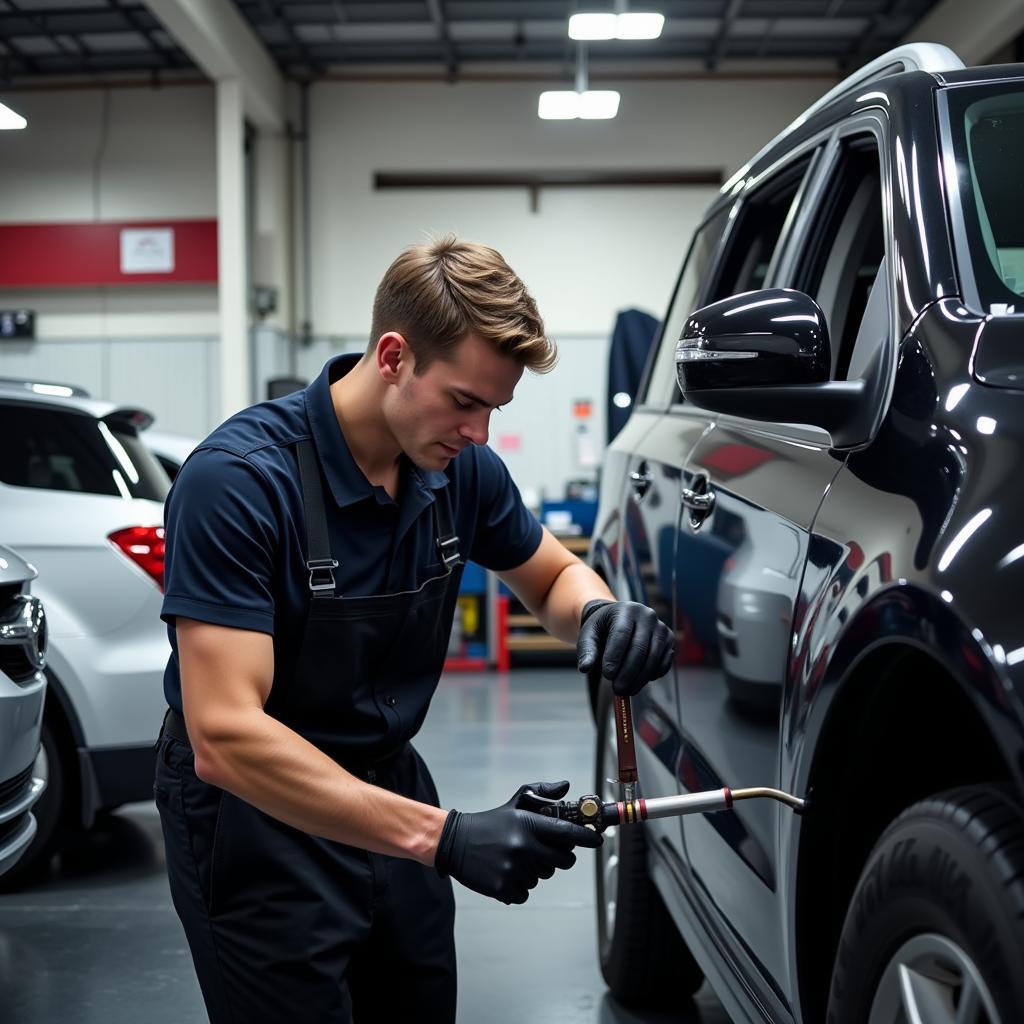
(447, 48)
(129, 15)
(297, 48)
(730, 16)
(219, 40)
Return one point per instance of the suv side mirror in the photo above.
(766, 355)
(771, 337)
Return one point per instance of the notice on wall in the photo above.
(586, 449)
(147, 251)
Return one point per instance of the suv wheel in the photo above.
(934, 930)
(643, 958)
(49, 813)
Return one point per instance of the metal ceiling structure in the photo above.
(314, 38)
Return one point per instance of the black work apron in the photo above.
(284, 926)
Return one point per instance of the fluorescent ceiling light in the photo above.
(630, 25)
(559, 105)
(593, 26)
(599, 104)
(9, 119)
(637, 25)
(591, 105)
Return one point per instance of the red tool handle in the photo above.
(624, 736)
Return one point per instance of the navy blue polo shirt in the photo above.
(236, 533)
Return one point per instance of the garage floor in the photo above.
(98, 941)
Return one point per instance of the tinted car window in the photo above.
(661, 366)
(763, 216)
(844, 253)
(988, 138)
(63, 450)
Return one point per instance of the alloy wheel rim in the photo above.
(608, 852)
(41, 769)
(930, 979)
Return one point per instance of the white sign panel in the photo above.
(147, 251)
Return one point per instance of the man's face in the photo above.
(435, 415)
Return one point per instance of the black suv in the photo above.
(817, 487)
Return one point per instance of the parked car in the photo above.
(22, 692)
(82, 498)
(171, 450)
(820, 487)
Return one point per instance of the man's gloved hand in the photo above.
(504, 853)
(629, 642)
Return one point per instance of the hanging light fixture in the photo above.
(9, 119)
(617, 24)
(581, 102)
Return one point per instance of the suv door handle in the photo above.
(699, 501)
(641, 480)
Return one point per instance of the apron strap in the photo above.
(447, 539)
(319, 562)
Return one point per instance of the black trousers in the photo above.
(287, 927)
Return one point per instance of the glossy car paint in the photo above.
(814, 563)
(21, 721)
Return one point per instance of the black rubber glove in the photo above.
(630, 643)
(504, 853)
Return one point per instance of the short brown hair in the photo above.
(437, 293)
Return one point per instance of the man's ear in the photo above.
(392, 354)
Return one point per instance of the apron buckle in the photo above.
(449, 548)
(321, 573)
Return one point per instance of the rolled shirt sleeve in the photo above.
(221, 529)
(507, 533)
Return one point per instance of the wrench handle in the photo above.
(624, 738)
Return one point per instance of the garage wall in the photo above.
(586, 253)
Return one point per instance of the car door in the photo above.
(659, 440)
(752, 493)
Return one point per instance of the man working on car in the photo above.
(314, 550)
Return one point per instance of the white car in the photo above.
(171, 450)
(22, 690)
(82, 499)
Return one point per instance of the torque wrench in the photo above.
(629, 779)
(599, 815)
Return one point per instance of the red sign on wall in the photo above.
(110, 252)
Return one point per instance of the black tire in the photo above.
(644, 961)
(50, 812)
(943, 895)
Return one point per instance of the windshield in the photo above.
(987, 126)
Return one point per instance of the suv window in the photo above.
(661, 365)
(987, 125)
(763, 216)
(63, 450)
(845, 251)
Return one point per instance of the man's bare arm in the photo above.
(555, 585)
(226, 676)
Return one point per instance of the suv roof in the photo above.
(929, 57)
(70, 397)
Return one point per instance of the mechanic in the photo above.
(314, 549)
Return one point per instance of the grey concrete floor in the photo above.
(98, 941)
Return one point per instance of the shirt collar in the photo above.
(347, 482)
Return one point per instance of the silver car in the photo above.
(22, 689)
(82, 498)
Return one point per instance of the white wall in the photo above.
(586, 254)
(114, 154)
